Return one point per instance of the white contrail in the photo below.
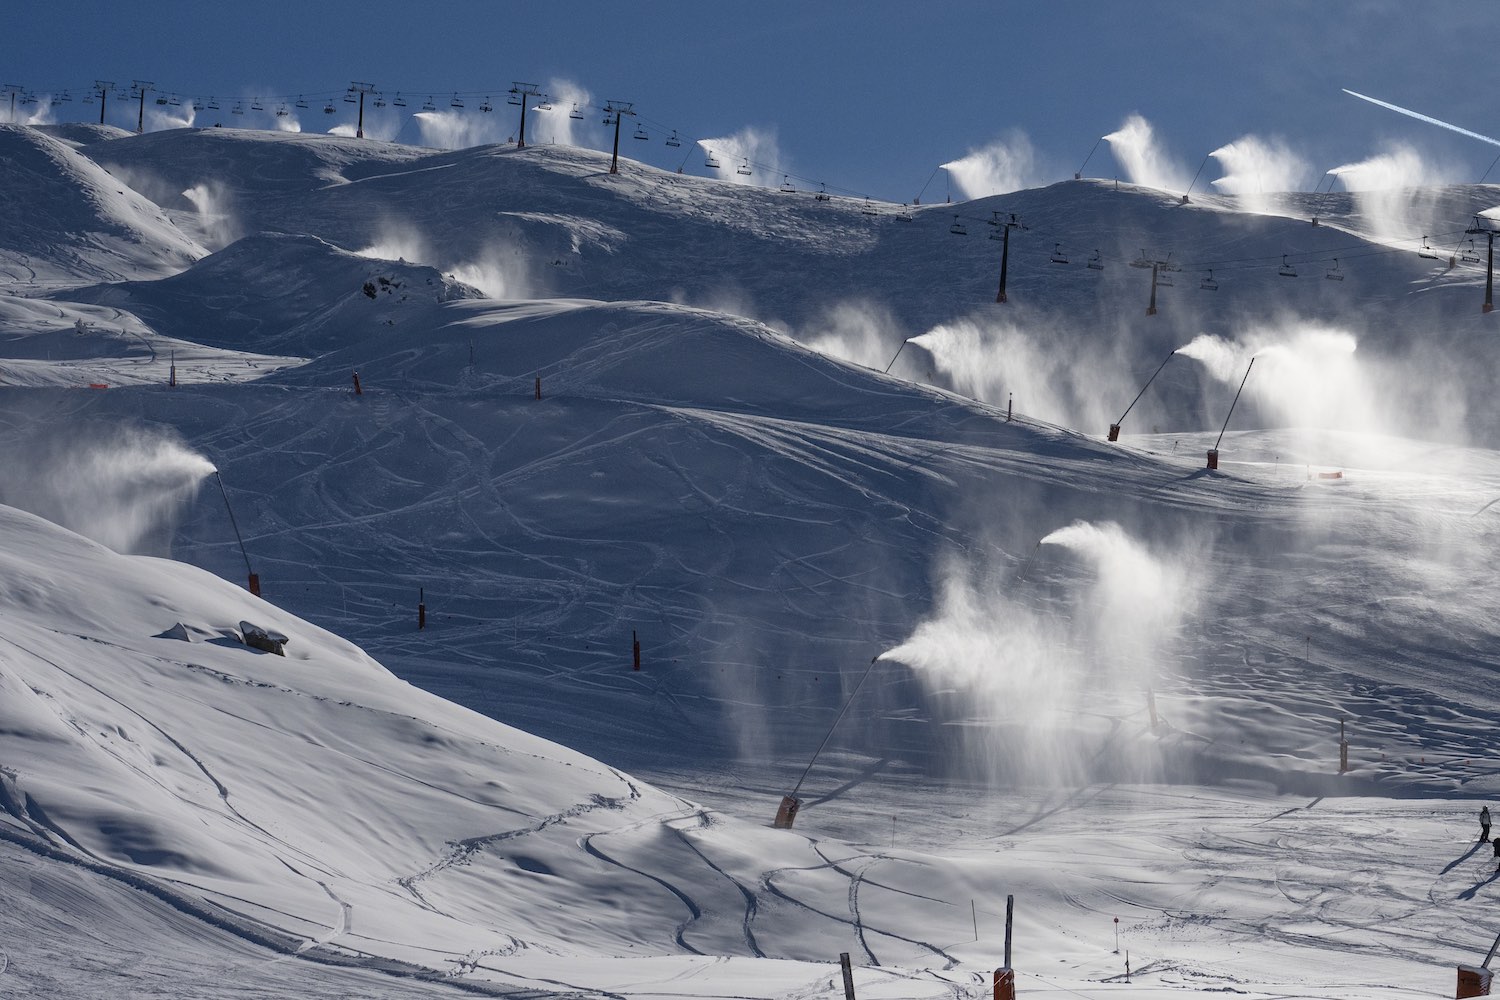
(1425, 118)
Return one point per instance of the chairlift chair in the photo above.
(1286, 270)
(213, 104)
(66, 97)
(868, 208)
(673, 141)
(575, 114)
(455, 103)
(544, 106)
(282, 112)
(822, 194)
(398, 101)
(429, 106)
(301, 102)
(957, 229)
(486, 107)
(255, 105)
(1142, 261)
(903, 216)
(88, 98)
(1427, 251)
(514, 99)
(1208, 284)
(1336, 274)
(997, 234)
(744, 168)
(238, 109)
(349, 98)
(174, 101)
(1470, 256)
(329, 109)
(379, 101)
(786, 184)
(1058, 257)
(1096, 263)
(709, 161)
(641, 133)
(162, 100)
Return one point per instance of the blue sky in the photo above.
(869, 98)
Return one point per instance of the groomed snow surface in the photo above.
(596, 409)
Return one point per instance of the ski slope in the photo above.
(1105, 679)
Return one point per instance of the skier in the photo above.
(1484, 824)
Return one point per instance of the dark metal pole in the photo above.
(614, 163)
(140, 118)
(835, 725)
(1010, 906)
(1235, 403)
(359, 128)
(233, 523)
(1138, 395)
(1004, 263)
(103, 97)
(1489, 277)
(1151, 307)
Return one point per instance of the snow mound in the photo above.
(65, 220)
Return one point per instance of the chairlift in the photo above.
(455, 103)
(641, 133)
(255, 105)
(822, 194)
(744, 168)
(174, 101)
(673, 141)
(607, 120)
(398, 101)
(379, 101)
(65, 98)
(1143, 261)
(349, 97)
(1208, 284)
(486, 107)
(1096, 263)
(786, 184)
(1427, 251)
(903, 216)
(514, 98)
(577, 115)
(213, 104)
(329, 109)
(997, 234)
(301, 102)
(88, 98)
(429, 106)
(238, 109)
(709, 161)
(282, 112)
(868, 208)
(1470, 256)
(1058, 257)
(957, 229)
(1286, 270)
(1163, 280)
(162, 100)
(1336, 274)
(544, 106)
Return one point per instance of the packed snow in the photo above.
(793, 448)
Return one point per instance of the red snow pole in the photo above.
(1005, 976)
(357, 390)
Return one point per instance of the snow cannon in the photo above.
(1114, 428)
(1213, 453)
(1473, 981)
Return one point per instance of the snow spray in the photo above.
(1138, 153)
(120, 487)
(1027, 685)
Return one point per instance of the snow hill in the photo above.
(596, 409)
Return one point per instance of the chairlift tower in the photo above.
(12, 89)
(616, 110)
(1011, 223)
(1489, 266)
(521, 92)
(356, 87)
(103, 87)
(138, 89)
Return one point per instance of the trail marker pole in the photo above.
(357, 390)
(1343, 749)
(421, 608)
(848, 975)
(635, 647)
(1117, 935)
(1005, 976)
(538, 387)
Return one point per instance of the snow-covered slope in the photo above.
(1071, 633)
